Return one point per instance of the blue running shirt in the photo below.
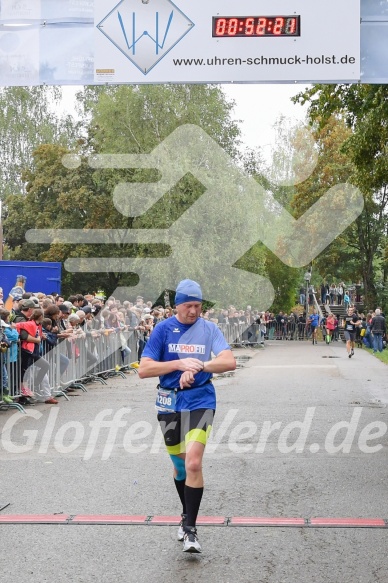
(314, 320)
(171, 340)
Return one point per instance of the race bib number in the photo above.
(166, 400)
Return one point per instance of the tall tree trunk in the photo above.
(370, 294)
(367, 253)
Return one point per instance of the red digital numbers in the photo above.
(255, 26)
(249, 26)
(232, 27)
(220, 26)
(279, 24)
(261, 27)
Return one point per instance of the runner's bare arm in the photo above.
(152, 368)
(223, 362)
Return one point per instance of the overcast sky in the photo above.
(259, 106)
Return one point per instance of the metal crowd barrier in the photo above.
(288, 330)
(241, 334)
(238, 334)
(10, 379)
(71, 363)
(94, 358)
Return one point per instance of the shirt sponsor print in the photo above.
(187, 348)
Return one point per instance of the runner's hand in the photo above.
(186, 380)
(190, 364)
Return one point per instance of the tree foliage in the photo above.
(27, 119)
(121, 120)
(350, 128)
(363, 109)
(278, 176)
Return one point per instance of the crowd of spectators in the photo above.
(36, 323)
(335, 294)
(372, 331)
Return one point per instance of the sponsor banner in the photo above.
(160, 41)
(80, 42)
(67, 9)
(19, 57)
(11, 10)
(67, 56)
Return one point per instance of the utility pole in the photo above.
(307, 278)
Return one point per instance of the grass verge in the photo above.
(383, 356)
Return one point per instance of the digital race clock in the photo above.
(255, 26)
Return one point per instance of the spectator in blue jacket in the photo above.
(10, 356)
(346, 301)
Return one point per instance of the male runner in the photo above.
(314, 320)
(351, 321)
(179, 351)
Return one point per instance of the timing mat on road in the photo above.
(236, 521)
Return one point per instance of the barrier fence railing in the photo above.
(242, 334)
(10, 380)
(73, 362)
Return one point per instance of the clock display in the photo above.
(255, 26)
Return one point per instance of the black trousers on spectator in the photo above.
(40, 364)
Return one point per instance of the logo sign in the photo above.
(145, 31)
(148, 41)
(187, 348)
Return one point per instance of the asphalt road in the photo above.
(300, 431)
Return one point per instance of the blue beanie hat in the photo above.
(188, 291)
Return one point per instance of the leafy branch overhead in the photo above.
(360, 114)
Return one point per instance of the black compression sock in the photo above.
(193, 497)
(180, 488)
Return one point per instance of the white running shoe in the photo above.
(190, 542)
(181, 531)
